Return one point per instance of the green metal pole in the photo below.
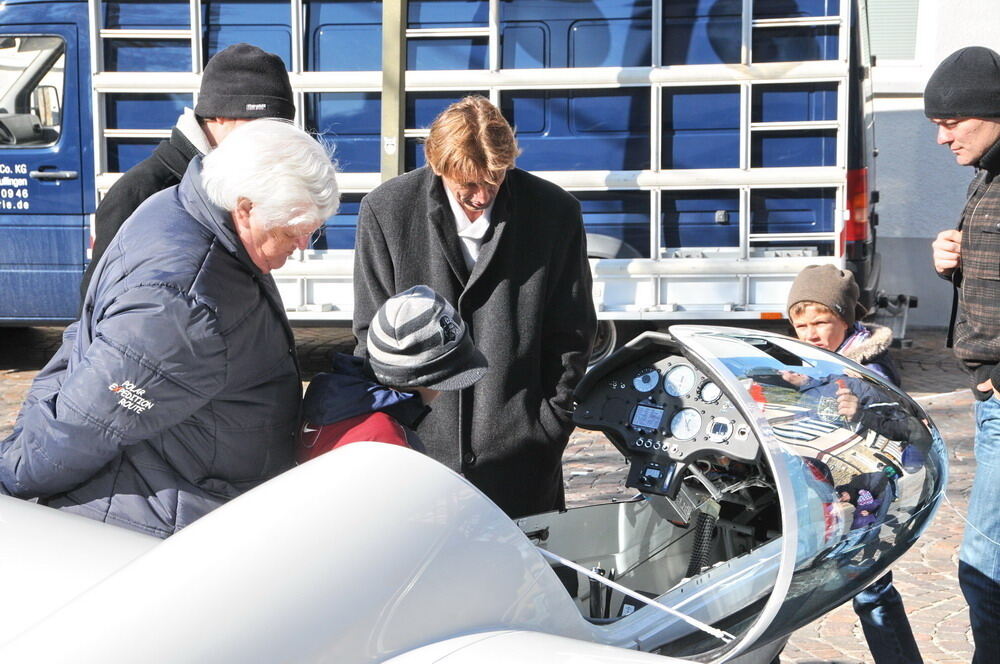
(393, 86)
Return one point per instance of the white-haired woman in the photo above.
(178, 389)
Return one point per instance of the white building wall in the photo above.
(922, 188)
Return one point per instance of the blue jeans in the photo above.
(886, 627)
(979, 559)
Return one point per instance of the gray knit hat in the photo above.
(245, 82)
(830, 286)
(417, 339)
(965, 85)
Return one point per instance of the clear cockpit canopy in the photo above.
(785, 479)
(859, 466)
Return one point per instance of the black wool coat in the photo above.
(164, 168)
(528, 305)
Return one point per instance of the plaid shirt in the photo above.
(977, 324)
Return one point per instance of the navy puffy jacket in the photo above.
(178, 388)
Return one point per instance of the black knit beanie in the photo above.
(965, 85)
(830, 286)
(245, 82)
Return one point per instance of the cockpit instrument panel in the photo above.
(662, 412)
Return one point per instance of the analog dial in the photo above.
(646, 380)
(710, 392)
(685, 424)
(679, 380)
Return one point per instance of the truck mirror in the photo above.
(45, 105)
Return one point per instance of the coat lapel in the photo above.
(498, 223)
(440, 218)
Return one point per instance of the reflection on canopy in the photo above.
(866, 464)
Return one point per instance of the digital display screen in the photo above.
(719, 428)
(647, 417)
(652, 473)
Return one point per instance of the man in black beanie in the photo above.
(963, 99)
(239, 84)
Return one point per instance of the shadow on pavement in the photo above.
(28, 348)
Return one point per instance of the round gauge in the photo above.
(679, 380)
(710, 392)
(719, 430)
(685, 424)
(646, 380)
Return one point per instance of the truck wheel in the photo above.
(605, 340)
(612, 335)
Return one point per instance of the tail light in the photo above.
(856, 227)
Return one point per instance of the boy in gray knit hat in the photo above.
(418, 346)
(824, 310)
(827, 291)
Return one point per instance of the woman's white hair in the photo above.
(288, 175)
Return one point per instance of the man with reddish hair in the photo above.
(508, 251)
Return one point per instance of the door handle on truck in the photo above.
(54, 175)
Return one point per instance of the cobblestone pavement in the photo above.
(926, 576)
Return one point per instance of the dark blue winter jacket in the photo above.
(178, 388)
(351, 390)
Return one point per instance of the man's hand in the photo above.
(986, 386)
(947, 251)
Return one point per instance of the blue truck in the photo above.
(716, 146)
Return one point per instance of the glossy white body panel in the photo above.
(49, 557)
(508, 647)
(316, 565)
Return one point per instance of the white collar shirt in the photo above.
(471, 233)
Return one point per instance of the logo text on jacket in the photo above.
(131, 396)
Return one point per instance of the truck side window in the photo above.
(32, 70)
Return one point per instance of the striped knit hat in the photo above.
(417, 339)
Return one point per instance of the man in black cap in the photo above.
(239, 84)
(963, 99)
